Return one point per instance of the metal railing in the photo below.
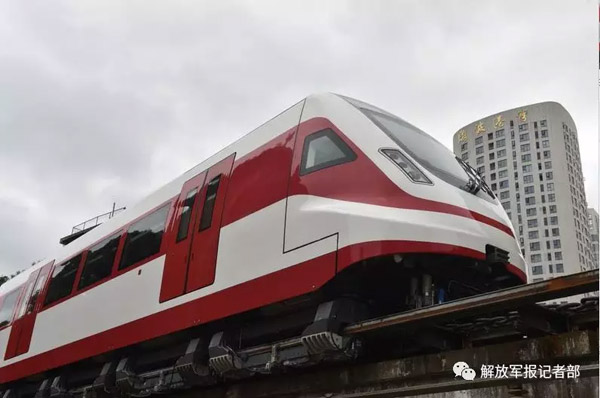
(92, 222)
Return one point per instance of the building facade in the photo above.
(593, 223)
(529, 156)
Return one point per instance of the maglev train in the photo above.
(333, 198)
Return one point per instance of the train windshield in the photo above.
(430, 154)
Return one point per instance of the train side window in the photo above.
(186, 214)
(99, 261)
(37, 290)
(7, 307)
(63, 279)
(209, 203)
(144, 237)
(324, 149)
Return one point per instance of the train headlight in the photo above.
(406, 166)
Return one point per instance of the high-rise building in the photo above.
(529, 156)
(593, 222)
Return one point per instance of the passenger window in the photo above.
(186, 214)
(39, 285)
(324, 149)
(63, 279)
(99, 261)
(7, 307)
(209, 203)
(144, 237)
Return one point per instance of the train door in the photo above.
(192, 255)
(27, 309)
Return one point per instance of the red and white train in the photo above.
(331, 198)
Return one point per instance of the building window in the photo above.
(490, 136)
(502, 173)
(528, 179)
(554, 220)
(491, 156)
(559, 268)
(550, 269)
(506, 205)
(556, 244)
(464, 146)
(504, 195)
(526, 158)
(536, 258)
(501, 153)
(549, 175)
(492, 166)
(545, 144)
(530, 200)
(479, 150)
(550, 186)
(479, 140)
(502, 163)
(555, 231)
(527, 168)
(523, 127)
(492, 176)
(501, 143)
(524, 137)
(465, 156)
(534, 235)
(532, 223)
(499, 133)
(552, 208)
(503, 184)
(543, 123)
(493, 186)
(529, 190)
(548, 164)
(551, 197)
(531, 212)
(481, 170)
(546, 154)
(479, 160)
(525, 147)
(534, 246)
(491, 145)
(544, 133)
(558, 256)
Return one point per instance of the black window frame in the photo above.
(121, 267)
(210, 199)
(47, 301)
(349, 154)
(11, 293)
(117, 236)
(192, 193)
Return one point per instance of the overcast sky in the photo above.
(106, 101)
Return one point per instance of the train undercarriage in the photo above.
(296, 333)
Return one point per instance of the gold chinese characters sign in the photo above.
(523, 115)
(479, 128)
(462, 135)
(498, 122)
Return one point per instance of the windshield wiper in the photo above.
(476, 182)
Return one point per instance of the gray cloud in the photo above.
(106, 101)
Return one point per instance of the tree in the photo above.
(3, 279)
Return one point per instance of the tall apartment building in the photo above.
(593, 222)
(529, 156)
